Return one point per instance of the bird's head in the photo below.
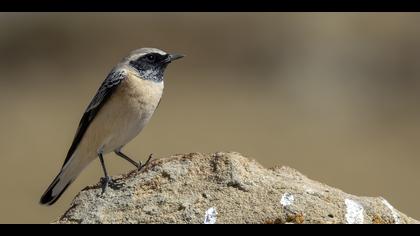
(150, 63)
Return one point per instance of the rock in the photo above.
(223, 188)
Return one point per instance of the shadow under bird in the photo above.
(122, 106)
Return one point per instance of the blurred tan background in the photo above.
(336, 96)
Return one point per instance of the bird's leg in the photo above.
(139, 165)
(105, 180)
(119, 153)
(147, 162)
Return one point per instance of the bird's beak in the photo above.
(173, 57)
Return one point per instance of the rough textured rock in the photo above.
(223, 188)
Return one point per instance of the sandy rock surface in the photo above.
(223, 188)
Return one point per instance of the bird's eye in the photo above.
(151, 57)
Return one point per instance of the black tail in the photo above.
(48, 198)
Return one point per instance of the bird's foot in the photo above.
(105, 181)
(109, 182)
(141, 166)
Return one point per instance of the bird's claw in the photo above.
(141, 166)
(106, 181)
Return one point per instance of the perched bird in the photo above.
(122, 106)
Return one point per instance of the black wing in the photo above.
(104, 92)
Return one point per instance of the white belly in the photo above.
(125, 129)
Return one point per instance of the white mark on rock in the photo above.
(354, 213)
(395, 215)
(211, 216)
(287, 199)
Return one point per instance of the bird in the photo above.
(117, 113)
